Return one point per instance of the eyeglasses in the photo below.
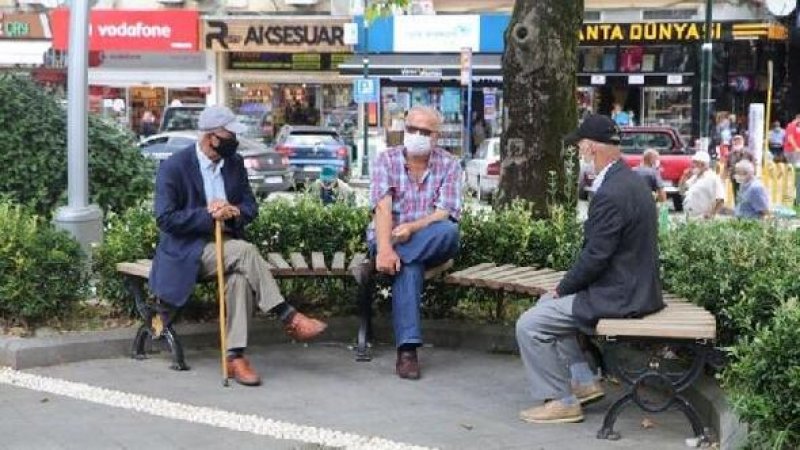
(416, 130)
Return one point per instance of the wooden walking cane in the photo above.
(223, 319)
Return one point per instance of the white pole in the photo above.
(82, 220)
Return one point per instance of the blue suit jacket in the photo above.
(185, 224)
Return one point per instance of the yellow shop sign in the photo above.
(648, 32)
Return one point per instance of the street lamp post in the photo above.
(365, 105)
(705, 79)
(82, 220)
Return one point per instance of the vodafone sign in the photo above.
(126, 30)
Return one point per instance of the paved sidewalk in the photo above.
(466, 400)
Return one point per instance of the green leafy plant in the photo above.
(43, 272)
(128, 236)
(741, 271)
(34, 157)
(764, 381)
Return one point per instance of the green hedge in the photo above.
(304, 224)
(740, 270)
(764, 381)
(42, 270)
(34, 157)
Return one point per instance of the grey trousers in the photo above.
(247, 278)
(548, 344)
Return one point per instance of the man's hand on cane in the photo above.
(222, 210)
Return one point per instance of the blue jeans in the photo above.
(427, 248)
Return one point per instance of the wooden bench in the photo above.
(158, 317)
(681, 327)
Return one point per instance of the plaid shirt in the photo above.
(440, 187)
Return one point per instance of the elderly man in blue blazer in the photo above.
(197, 186)
(615, 275)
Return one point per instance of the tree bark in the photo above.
(539, 82)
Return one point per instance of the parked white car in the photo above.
(483, 172)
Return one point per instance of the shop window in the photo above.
(592, 16)
(669, 14)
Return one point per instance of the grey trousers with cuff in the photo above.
(247, 278)
(548, 343)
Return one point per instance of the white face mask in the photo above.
(738, 147)
(417, 144)
(741, 179)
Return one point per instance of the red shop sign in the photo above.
(148, 31)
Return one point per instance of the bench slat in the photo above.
(506, 280)
(135, 269)
(276, 259)
(337, 265)
(357, 260)
(318, 263)
(298, 261)
(471, 270)
(479, 279)
(647, 328)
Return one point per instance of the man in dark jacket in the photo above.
(616, 275)
(195, 187)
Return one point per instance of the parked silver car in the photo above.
(267, 170)
(483, 172)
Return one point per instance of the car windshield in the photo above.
(315, 138)
(179, 119)
(637, 142)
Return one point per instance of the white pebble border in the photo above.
(201, 415)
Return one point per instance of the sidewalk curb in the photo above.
(25, 353)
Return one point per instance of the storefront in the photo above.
(418, 61)
(282, 70)
(651, 70)
(142, 61)
(24, 39)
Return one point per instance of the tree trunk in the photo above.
(539, 73)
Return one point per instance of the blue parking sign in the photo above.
(366, 90)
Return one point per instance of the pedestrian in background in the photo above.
(777, 135)
(752, 201)
(704, 193)
(650, 170)
(147, 125)
(738, 153)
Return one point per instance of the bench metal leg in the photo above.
(158, 319)
(668, 384)
(366, 296)
(175, 348)
(607, 432)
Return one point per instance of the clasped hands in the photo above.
(222, 210)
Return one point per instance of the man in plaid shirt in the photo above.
(415, 194)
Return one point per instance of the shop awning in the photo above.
(23, 53)
(424, 67)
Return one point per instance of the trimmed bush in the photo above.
(34, 157)
(128, 236)
(42, 270)
(764, 381)
(739, 270)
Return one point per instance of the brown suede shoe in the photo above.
(407, 365)
(239, 369)
(304, 328)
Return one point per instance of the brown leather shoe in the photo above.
(304, 328)
(239, 369)
(407, 365)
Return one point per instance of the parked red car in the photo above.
(675, 158)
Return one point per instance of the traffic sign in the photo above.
(466, 66)
(366, 90)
